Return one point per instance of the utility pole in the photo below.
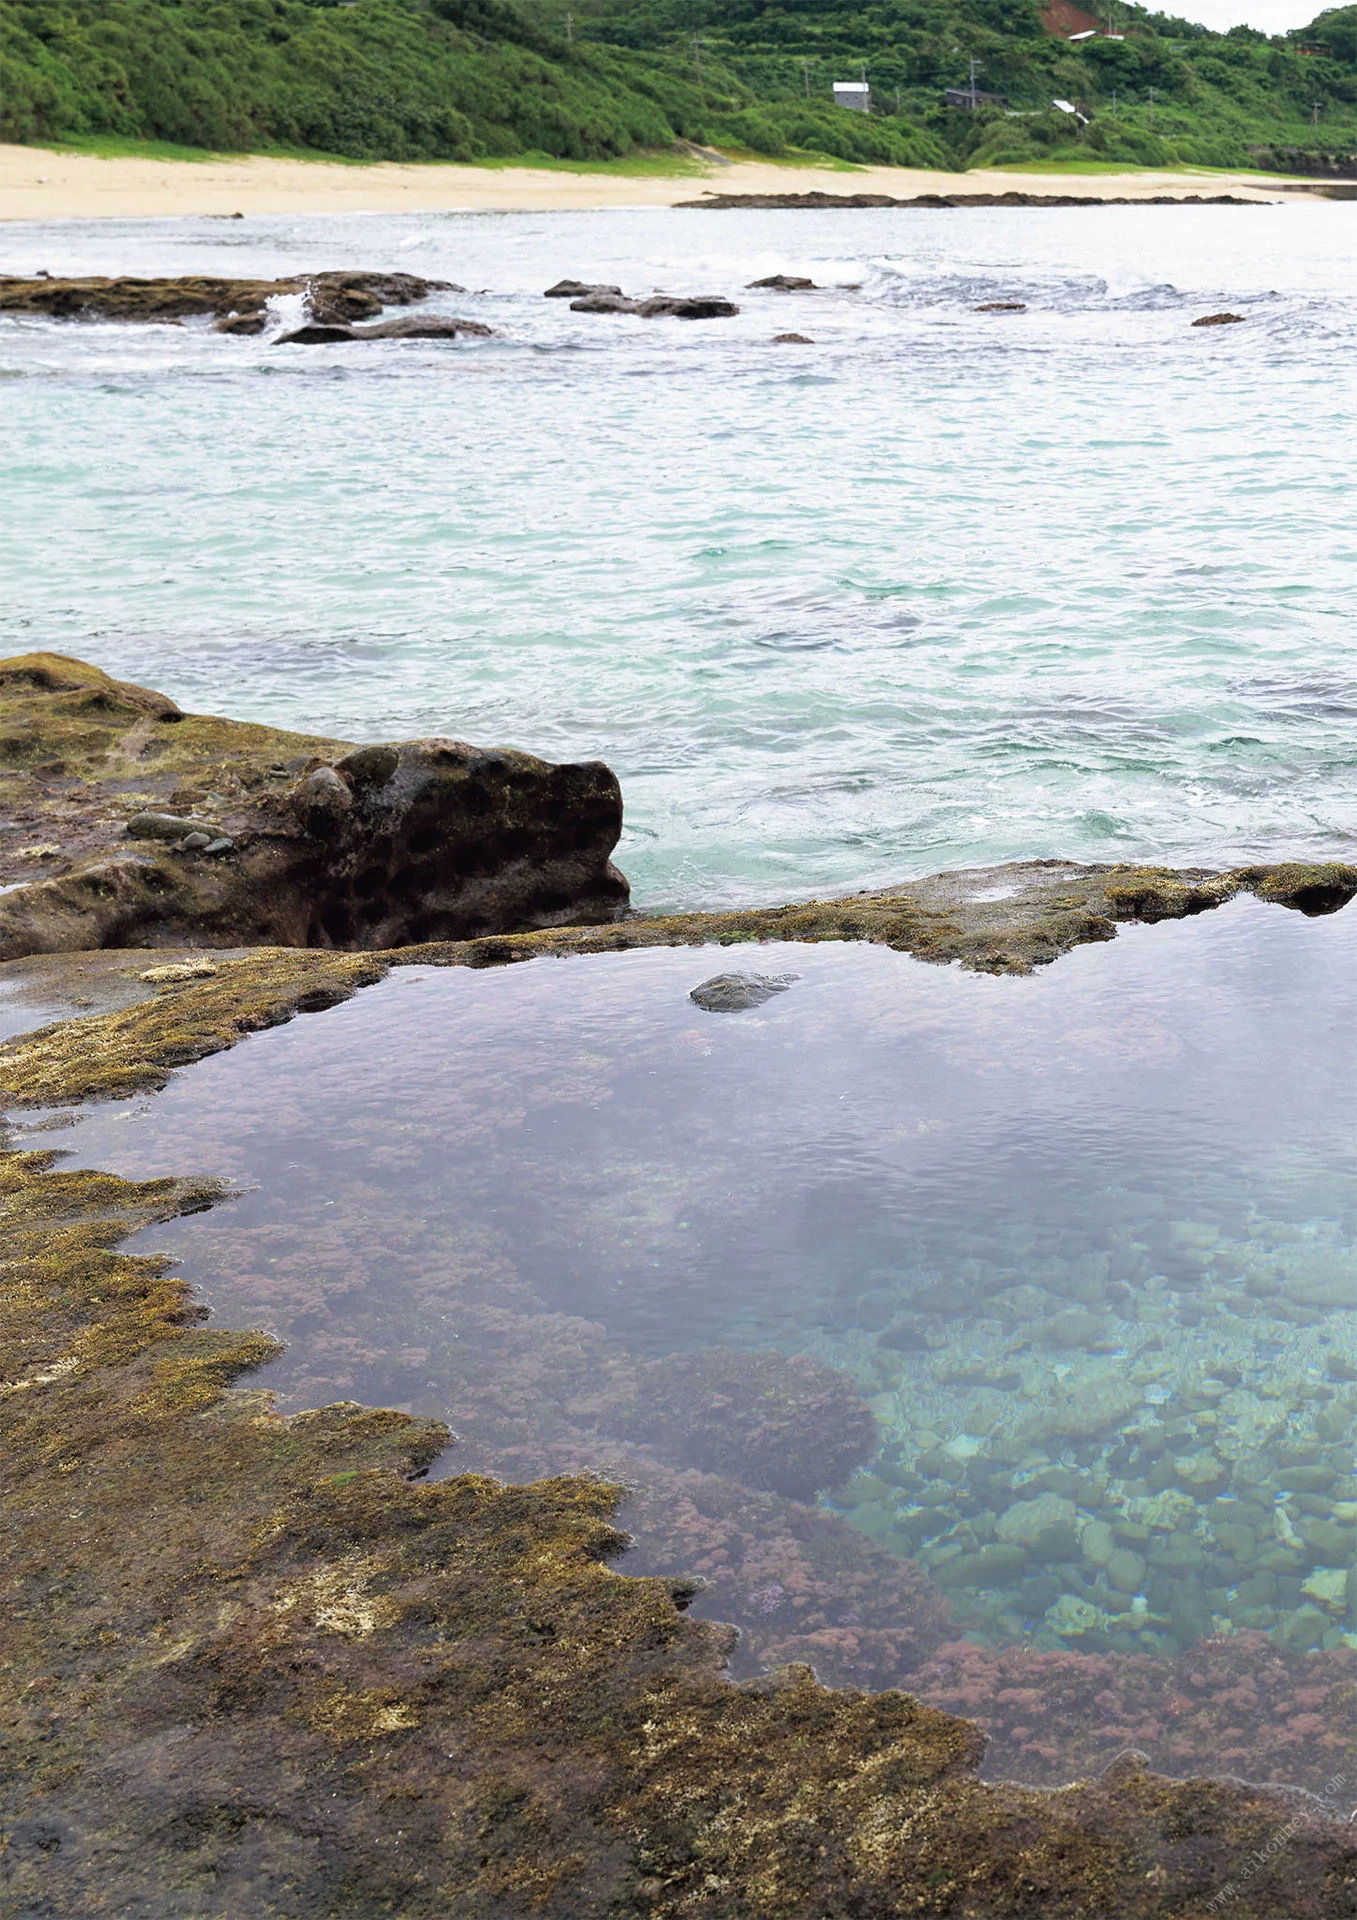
(1151, 106)
(974, 101)
(805, 68)
(569, 25)
(1315, 105)
(1114, 103)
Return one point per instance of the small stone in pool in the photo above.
(736, 992)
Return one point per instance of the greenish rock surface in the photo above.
(133, 824)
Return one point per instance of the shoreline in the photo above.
(38, 184)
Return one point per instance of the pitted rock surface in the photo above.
(132, 824)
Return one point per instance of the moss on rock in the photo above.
(253, 1666)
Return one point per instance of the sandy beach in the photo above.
(38, 184)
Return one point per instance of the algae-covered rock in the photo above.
(738, 992)
(254, 1665)
(164, 826)
(330, 297)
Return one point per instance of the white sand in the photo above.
(37, 184)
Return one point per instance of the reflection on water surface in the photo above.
(993, 1337)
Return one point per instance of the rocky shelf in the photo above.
(258, 1664)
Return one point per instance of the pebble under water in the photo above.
(992, 1337)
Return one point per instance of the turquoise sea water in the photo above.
(943, 587)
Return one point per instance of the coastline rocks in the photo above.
(603, 300)
(687, 307)
(785, 283)
(281, 839)
(1003, 306)
(662, 306)
(331, 298)
(577, 290)
(432, 326)
(1220, 320)
(768, 202)
(792, 340)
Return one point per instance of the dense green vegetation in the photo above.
(467, 79)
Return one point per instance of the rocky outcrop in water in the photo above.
(133, 824)
(578, 290)
(662, 306)
(331, 298)
(431, 326)
(723, 202)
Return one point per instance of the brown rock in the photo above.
(686, 307)
(1003, 306)
(785, 283)
(792, 340)
(429, 326)
(1220, 320)
(331, 297)
(603, 300)
(170, 827)
(576, 290)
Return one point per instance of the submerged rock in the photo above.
(307, 843)
(785, 1423)
(737, 992)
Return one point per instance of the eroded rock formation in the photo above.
(331, 298)
(133, 824)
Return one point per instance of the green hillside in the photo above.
(469, 79)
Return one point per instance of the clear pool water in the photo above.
(1070, 1263)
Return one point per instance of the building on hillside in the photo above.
(854, 94)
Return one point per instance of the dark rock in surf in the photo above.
(576, 290)
(785, 283)
(737, 992)
(1003, 306)
(686, 307)
(661, 306)
(242, 323)
(603, 300)
(312, 843)
(429, 326)
(792, 340)
(1220, 320)
(316, 333)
